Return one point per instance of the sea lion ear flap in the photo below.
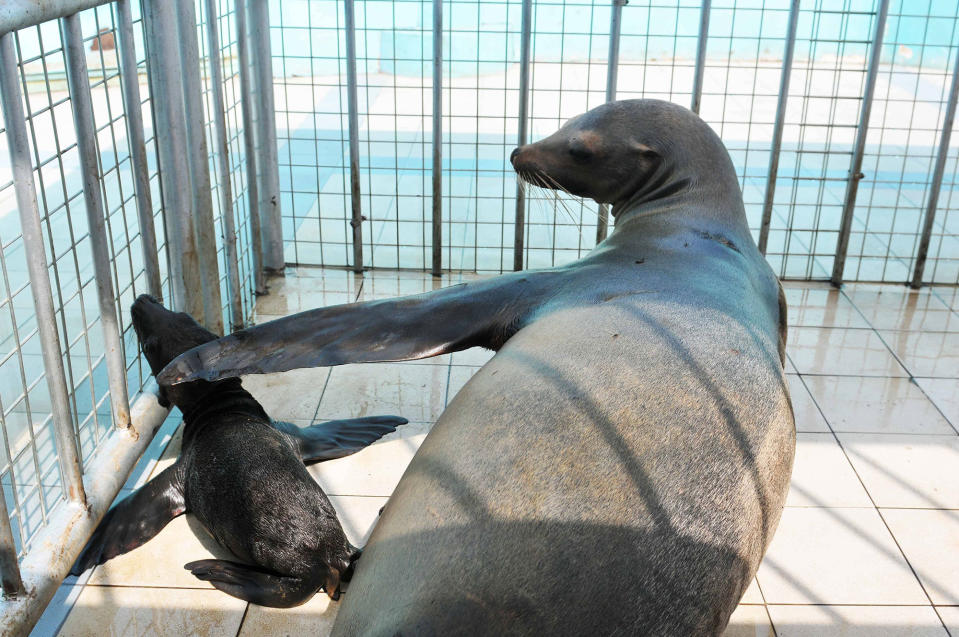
(643, 149)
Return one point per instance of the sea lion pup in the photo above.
(620, 466)
(243, 476)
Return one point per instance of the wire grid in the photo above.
(229, 62)
(32, 481)
(918, 57)
(568, 48)
(311, 125)
(394, 53)
(943, 262)
(746, 44)
(481, 53)
(822, 116)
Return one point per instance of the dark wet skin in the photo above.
(620, 466)
(244, 477)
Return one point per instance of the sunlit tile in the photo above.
(889, 307)
(373, 471)
(930, 540)
(822, 476)
(314, 618)
(749, 620)
(836, 556)
(805, 411)
(876, 405)
(150, 612)
(416, 392)
(934, 354)
(906, 470)
(292, 395)
(841, 351)
(856, 621)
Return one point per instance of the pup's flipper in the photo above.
(134, 520)
(479, 313)
(338, 438)
(252, 585)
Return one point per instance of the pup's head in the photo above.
(164, 335)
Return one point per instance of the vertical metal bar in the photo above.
(130, 79)
(271, 226)
(249, 144)
(223, 161)
(612, 73)
(82, 103)
(9, 567)
(160, 18)
(198, 158)
(855, 166)
(936, 185)
(778, 126)
(356, 222)
(437, 137)
(24, 188)
(701, 56)
(519, 236)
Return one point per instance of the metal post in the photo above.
(223, 161)
(160, 18)
(9, 567)
(778, 126)
(268, 187)
(520, 226)
(437, 137)
(936, 184)
(130, 79)
(354, 122)
(701, 56)
(855, 167)
(24, 188)
(198, 158)
(79, 83)
(612, 71)
(249, 145)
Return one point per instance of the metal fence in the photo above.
(375, 133)
(95, 208)
(837, 115)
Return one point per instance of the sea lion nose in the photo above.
(512, 156)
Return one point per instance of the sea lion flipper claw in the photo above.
(479, 313)
(134, 520)
(339, 438)
(248, 583)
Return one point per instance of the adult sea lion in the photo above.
(243, 476)
(620, 465)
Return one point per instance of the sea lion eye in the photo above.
(578, 150)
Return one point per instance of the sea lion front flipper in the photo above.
(134, 520)
(338, 438)
(248, 583)
(481, 313)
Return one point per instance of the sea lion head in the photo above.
(164, 335)
(627, 153)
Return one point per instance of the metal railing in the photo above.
(81, 98)
(802, 92)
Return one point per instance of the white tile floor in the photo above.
(868, 544)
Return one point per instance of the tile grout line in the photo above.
(239, 628)
(859, 478)
(912, 377)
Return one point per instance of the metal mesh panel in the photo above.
(918, 56)
(745, 45)
(229, 61)
(31, 477)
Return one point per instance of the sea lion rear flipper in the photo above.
(338, 438)
(481, 313)
(134, 520)
(248, 583)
